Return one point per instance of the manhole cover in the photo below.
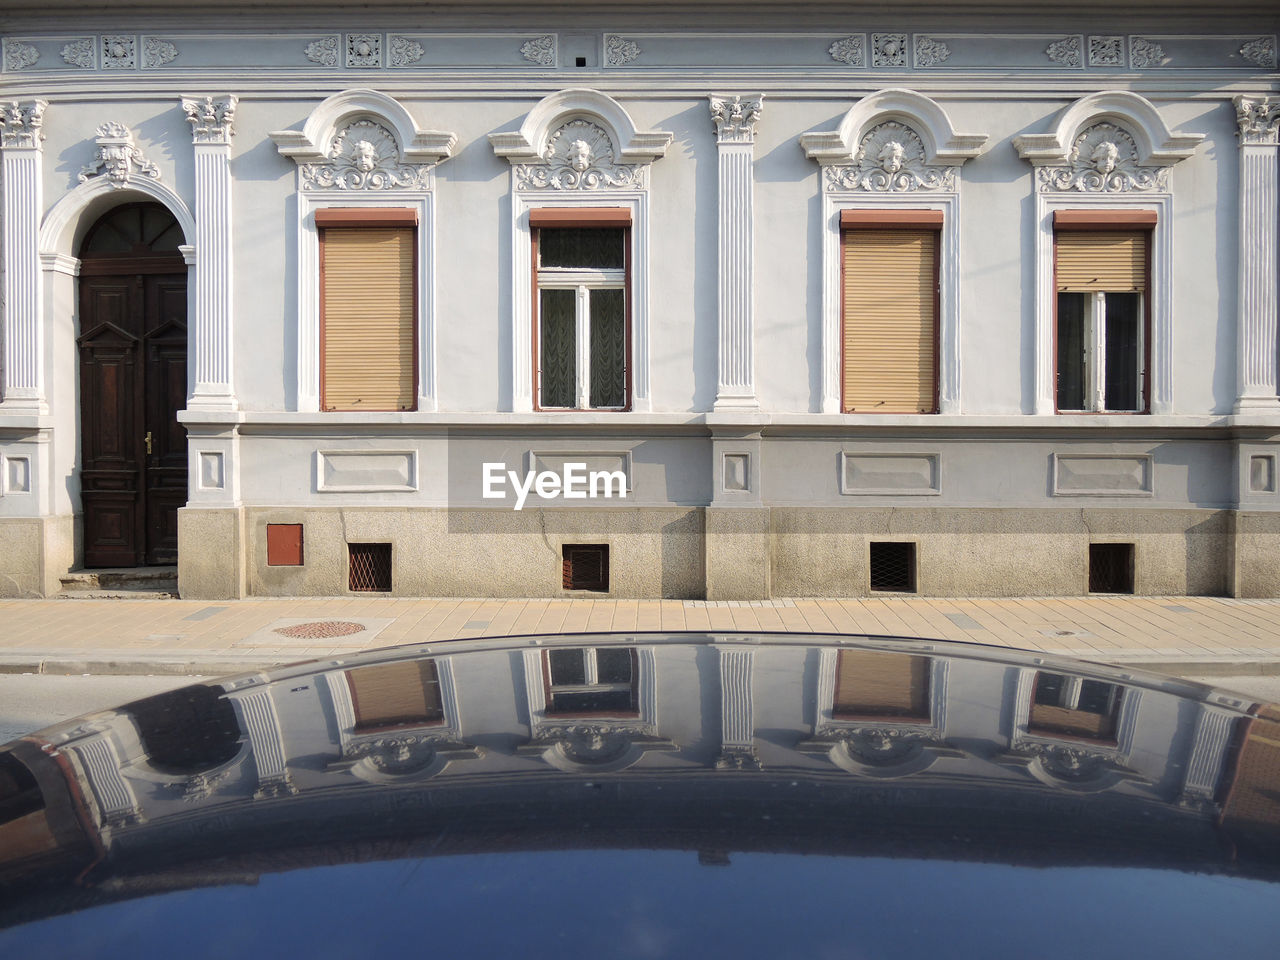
(320, 629)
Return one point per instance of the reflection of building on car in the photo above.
(933, 308)
(587, 708)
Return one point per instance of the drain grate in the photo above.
(369, 567)
(585, 566)
(893, 567)
(320, 629)
(1111, 568)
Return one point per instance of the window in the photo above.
(1074, 707)
(368, 308)
(870, 684)
(395, 695)
(594, 680)
(1102, 328)
(890, 310)
(581, 316)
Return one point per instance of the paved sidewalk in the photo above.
(1212, 634)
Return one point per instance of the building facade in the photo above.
(949, 300)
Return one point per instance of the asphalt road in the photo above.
(30, 701)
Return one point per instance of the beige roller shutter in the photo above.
(1112, 261)
(368, 308)
(396, 693)
(871, 683)
(890, 320)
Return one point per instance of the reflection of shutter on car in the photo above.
(871, 683)
(1075, 723)
(889, 320)
(1115, 262)
(395, 693)
(368, 297)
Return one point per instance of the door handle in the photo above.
(147, 439)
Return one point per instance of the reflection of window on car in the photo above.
(1075, 707)
(581, 277)
(186, 730)
(395, 695)
(871, 683)
(595, 680)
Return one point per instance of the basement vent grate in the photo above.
(893, 567)
(1111, 568)
(369, 567)
(585, 566)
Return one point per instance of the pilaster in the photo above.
(211, 332)
(20, 146)
(735, 119)
(1259, 122)
(737, 724)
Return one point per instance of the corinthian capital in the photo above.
(735, 117)
(20, 122)
(211, 119)
(1259, 119)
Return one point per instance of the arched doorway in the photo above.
(133, 380)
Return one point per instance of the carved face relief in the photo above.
(580, 155)
(1105, 157)
(892, 156)
(364, 156)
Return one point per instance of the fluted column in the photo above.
(210, 327)
(20, 140)
(737, 723)
(735, 119)
(1259, 120)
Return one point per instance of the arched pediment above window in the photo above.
(363, 140)
(1153, 143)
(927, 130)
(579, 139)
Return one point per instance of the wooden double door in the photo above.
(133, 381)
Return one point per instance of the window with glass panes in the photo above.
(581, 323)
(1074, 707)
(1102, 309)
(591, 680)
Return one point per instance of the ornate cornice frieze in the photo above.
(579, 155)
(1145, 53)
(404, 51)
(211, 120)
(79, 53)
(119, 53)
(540, 50)
(157, 52)
(619, 51)
(19, 56)
(735, 117)
(930, 52)
(1103, 159)
(890, 159)
(738, 758)
(1258, 119)
(1065, 51)
(364, 155)
(1106, 51)
(323, 51)
(1261, 51)
(850, 50)
(118, 159)
(364, 50)
(20, 123)
(888, 49)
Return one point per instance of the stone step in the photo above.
(136, 582)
